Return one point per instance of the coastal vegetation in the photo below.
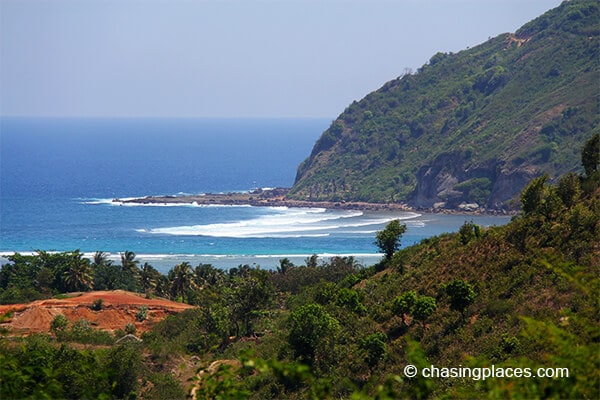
(523, 295)
(472, 127)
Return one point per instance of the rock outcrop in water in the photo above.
(258, 198)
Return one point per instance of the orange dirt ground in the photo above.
(119, 308)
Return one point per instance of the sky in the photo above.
(227, 58)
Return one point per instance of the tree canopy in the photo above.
(388, 239)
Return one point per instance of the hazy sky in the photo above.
(227, 58)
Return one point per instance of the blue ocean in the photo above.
(58, 179)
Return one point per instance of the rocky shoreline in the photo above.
(278, 198)
(262, 198)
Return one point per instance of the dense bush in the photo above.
(313, 332)
(40, 369)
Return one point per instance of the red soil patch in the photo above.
(119, 308)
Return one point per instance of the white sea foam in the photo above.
(277, 222)
(96, 201)
(416, 224)
(283, 222)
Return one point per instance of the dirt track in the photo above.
(119, 308)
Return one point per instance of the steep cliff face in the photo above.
(448, 183)
(470, 127)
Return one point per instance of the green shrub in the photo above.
(142, 314)
(469, 231)
(97, 305)
(375, 347)
(424, 307)
(130, 328)
(81, 329)
(312, 332)
(350, 299)
(509, 343)
(404, 304)
(59, 326)
(461, 295)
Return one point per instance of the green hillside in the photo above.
(524, 295)
(520, 298)
(474, 126)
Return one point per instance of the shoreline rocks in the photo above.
(277, 197)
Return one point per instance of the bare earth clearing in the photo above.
(118, 308)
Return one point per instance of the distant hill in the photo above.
(470, 127)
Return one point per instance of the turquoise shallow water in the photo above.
(58, 177)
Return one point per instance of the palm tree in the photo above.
(128, 261)
(78, 275)
(129, 264)
(206, 274)
(182, 279)
(100, 259)
(148, 278)
(130, 272)
(107, 276)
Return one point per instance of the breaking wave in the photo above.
(283, 222)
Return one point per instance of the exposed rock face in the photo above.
(436, 182)
(508, 184)
(451, 181)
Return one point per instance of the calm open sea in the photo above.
(58, 177)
